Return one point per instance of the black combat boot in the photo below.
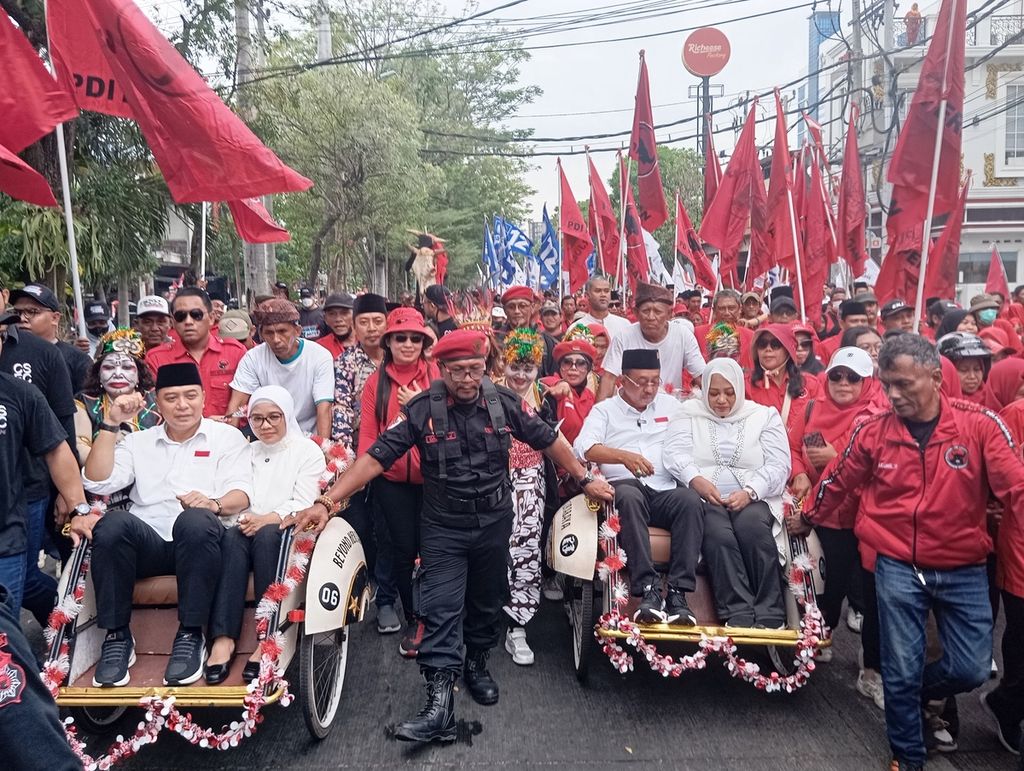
(478, 680)
(436, 721)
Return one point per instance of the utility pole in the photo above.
(855, 55)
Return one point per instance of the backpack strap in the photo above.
(495, 411)
(439, 423)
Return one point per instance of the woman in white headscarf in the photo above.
(286, 469)
(733, 454)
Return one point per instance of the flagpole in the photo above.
(796, 252)
(202, 245)
(619, 268)
(597, 219)
(936, 157)
(69, 221)
(675, 242)
(561, 236)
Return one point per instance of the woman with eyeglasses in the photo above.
(397, 494)
(522, 355)
(865, 338)
(777, 381)
(286, 469)
(570, 398)
(850, 394)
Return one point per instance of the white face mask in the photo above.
(119, 374)
(307, 302)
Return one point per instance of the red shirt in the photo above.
(824, 349)
(331, 343)
(216, 368)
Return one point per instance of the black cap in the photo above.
(182, 374)
(281, 285)
(437, 294)
(780, 304)
(782, 290)
(305, 292)
(616, 294)
(369, 303)
(893, 307)
(852, 308)
(641, 358)
(9, 316)
(37, 293)
(95, 311)
(341, 300)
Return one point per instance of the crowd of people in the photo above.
(724, 419)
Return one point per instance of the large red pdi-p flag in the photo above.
(254, 223)
(643, 149)
(637, 264)
(114, 61)
(779, 217)
(688, 245)
(712, 168)
(576, 244)
(602, 222)
(852, 219)
(21, 181)
(943, 265)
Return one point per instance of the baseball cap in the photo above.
(437, 294)
(280, 285)
(305, 292)
(782, 304)
(235, 324)
(152, 303)
(750, 296)
(9, 316)
(894, 306)
(854, 359)
(341, 300)
(866, 297)
(95, 311)
(37, 293)
(549, 307)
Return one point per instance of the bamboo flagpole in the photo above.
(69, 221)
(620, 276)
(940, 125)
(597, 219)
(561, 237)
(202, 244)
(796, 251)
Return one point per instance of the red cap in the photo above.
(574, 346)
(461, 344)
(517, 293)
(599, 329)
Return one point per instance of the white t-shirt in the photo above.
(678, 350)
(615, 325)
(308, 376)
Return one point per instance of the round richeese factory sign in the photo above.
(706, 52)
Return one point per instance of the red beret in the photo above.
(574, 346)
(461, 344)
(517, 293)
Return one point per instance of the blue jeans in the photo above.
(959, 600)
(12, 576)
(40, 590)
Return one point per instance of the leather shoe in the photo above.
(478, 680)
(251, 671)
(215, 674)
(436, 721)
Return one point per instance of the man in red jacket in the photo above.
(925, 469)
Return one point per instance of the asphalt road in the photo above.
(545, 719)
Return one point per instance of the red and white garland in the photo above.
(812, 628)
(161, 712)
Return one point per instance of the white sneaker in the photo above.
(824, 655)
(515, 644)
(854, 620)
(552, 589)
(870, 686)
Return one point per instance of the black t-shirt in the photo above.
(78, 362)
(922, 432)
(444, 327)
(312, 322)
(38, 362)
(27, 426)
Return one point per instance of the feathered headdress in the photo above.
(472, 309)
(722, 341)
(523, 346)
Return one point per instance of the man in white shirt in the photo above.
(675, 344)
(599, 295)
(625, 436)
(184, 476)
(285, 359)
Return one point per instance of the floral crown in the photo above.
(579, 331)
(523, 346)
(121, 341)
(722, 340)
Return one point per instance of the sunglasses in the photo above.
(839, 375)
(771, 343)
(414, 339)
(805, 346)
(195, 313)
(580, 363)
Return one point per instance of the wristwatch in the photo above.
(750, 491)
(587, 478)
(81, 509)
(108, 427)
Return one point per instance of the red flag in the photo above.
(942, 77)
(604, 225)
(689, 246)
(943, 262)
(852, 207)
(21, 181)
(254, 223)
(32, 102)
(780, 190)
(996, 281)
(643, 149)
(206, 153)
(576, 245)
(740, 199)
(636, 250)
(814, 261)
(900, 269)
(814, 129)
(712, 168)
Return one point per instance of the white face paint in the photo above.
(119, 374)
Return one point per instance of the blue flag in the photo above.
(489, 258)
(548, 255)
(514, 239)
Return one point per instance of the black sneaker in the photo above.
(677, 612)
(188, 654)
(1007, 730)
(652, 607)
(116, 657)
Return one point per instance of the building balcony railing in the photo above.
(916, 34)
(1006, 29)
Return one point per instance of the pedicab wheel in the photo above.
(781, 659)
(323, 658)
(97, 720)
(581, 617)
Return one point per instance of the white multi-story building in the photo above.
(993, 122)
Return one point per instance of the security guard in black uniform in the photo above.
(462, 427)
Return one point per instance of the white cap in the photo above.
(854, 359)
(498, 312)
(152, 303)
